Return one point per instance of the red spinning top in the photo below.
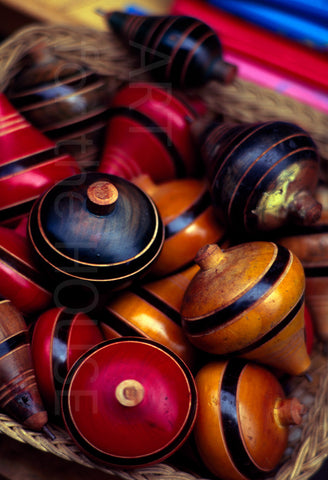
(29, 163)
(129, 402)
(149, 132)
(20, 279)
(59, 337)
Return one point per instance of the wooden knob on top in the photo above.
(289, 411)
(209, 257)
(129, 393)
(102, 196)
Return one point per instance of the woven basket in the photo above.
(241, 102)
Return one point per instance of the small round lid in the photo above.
(97, 227)
(129, 402)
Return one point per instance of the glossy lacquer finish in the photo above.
(248, 301)
(21, 280)
(190, 222)
(310, 245)
(64, 100)
(29, 163)
(129, 402)
(19, 394)
(262, 176)
(243, 419)
(180, 50)
(152, 310)
(59, 338)
(148, 131)
(95, 230)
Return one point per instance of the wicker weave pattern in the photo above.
(240, 102)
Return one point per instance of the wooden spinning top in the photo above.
(248, 301)
(152, 310)
(19, 394)
(180, 50)
(243, 419)
(21, 281)
(157, 119)
(65, 100)
(190, 222)
(29, 163)
(137, 407)
(96, 228)
(262, 176)
(59, 337)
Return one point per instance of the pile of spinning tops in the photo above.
(162, 270)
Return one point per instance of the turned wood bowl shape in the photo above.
(65, 101)
(29, 163)
(59, 337)
(190, 222)
(148, 131)
(95, 230)
(178, 50)
(262, 176)
(242, 426)
(21, 281)
(19, 393)
(248, 300)
(129, 402)
(152, 310)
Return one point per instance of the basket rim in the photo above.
(239, 102)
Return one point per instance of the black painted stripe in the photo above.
(58, 130)
(217, 141)
(195, 52)
(305, 230)
(206, 324)
(317, 271)
(127, 461)
(230, 428)
(59, 349)
(57, 89)
(251, 173)
(16, 211)
(186, 218)
(158, 303)
(158, 132)
(23, 269)
(229, 142)
(186, 34)
(108, 317)
(27, 162)
(10, 344)
(274, 331)
(155, 45)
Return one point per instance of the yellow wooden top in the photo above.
(81, 11)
